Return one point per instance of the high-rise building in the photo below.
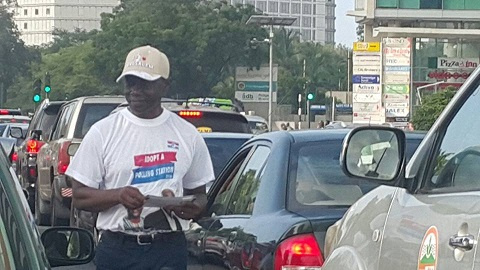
(37, 19)
(315, 18)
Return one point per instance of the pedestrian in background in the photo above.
(142, 150)
(321, 124)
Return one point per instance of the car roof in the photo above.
(320, 135)
(255, 118)
(226, 135)
(15, 116)
(100, 99)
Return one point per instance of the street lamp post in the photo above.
(270, 21)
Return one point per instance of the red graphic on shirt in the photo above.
(155, 159)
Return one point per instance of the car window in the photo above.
(248, 182)
(218, 122)
(63, 122)
(222, 197)
(89, 115)
(47, 120)
(455, 164)
(2, 130)
(221, 150)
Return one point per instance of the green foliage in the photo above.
(203, 40)
(14, 56)
(430, 110)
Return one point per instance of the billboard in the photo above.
(252, 85)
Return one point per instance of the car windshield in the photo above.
(319, 180)
(221, 150)
(89, 115)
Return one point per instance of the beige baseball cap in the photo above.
(147, 63)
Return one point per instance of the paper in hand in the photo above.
(156, 201)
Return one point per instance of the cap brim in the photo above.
(140, 74)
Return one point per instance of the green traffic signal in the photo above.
(47, 87)
(36, 98)
(310, 96)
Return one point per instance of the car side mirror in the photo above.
(68, 246)
(375, 153)
(72, 149)
(16, 132)
(36, 134)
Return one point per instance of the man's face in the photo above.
(143, 96)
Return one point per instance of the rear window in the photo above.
(89, 115)
(219, 122)
(317, 180)
(221, 150)
(47, 119)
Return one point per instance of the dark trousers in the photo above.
(115, 252)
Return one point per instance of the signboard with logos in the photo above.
(252, 85)
(366, 79)
(396, 77)
(248, 96)
(456, 63)
(367, 88)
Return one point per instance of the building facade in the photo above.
(315, 18)
(37, 19)
(444, 34)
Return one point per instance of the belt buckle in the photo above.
(148, 239)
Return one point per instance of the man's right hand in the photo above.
(131, 197)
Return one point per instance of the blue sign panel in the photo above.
(366, 79)
(399, 69)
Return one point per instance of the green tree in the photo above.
(203, 40)
(430, 110)
(14, 56)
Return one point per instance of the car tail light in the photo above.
(4, 112)
(14, 157)
(63, 158)
(191, 114)
(298, 252)
(33, 146)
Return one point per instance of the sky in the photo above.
(346, 26)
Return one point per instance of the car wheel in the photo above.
(56, 204)
(40, 208)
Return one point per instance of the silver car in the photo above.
(427, 216)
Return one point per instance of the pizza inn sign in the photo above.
(457, 63)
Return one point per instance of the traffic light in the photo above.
(310, 96)
(47, 87)
(37, 89)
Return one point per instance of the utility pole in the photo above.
(348, 77)
(299, 111)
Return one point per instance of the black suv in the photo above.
(38, 131)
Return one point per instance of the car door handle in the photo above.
(465, 242)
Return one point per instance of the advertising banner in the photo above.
(396, 89)
(396, 78)
(254, 96)
(367, 70)
(396, 112)
(367, 107)
(394, 98)
(364, 59)
(366, 79)
(367, 88)
(367, 98)
(366, 46)
(457, 63)
(397, 42)
(400, 61)
(368, 117)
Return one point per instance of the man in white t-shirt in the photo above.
(141, 151)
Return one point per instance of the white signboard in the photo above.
(366, 107)
(367, 70)
(367, 59)
(396, 112)
(255, 75)
(397, 42)
(457, 63)
(396, 105)
(367, 88)
(368, 117)
(394, 98)
(397, 61)
(396, 78)
(249, 96)
(367, 98)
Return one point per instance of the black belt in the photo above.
(141, 239)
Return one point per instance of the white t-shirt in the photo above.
(150, 154)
